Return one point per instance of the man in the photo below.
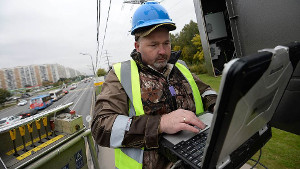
(149, 95)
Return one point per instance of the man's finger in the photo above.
(194, 121)
(189, 128)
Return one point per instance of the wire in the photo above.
(98, 26)
(257, 161)
(105, 28)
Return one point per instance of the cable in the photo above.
(105, 28)
(257, 161)
(98, 26)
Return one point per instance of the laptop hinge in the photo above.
(224, 163)
(262, 130)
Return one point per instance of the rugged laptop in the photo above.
(250, 91)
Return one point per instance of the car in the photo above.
(9, 120)
(15, 98)
(65, 91)
(22, 102)
(73, 86)
(28, 113)
(25, 95)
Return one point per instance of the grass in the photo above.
(98, 89)
(214, 82)
(282, 151)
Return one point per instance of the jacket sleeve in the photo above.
(208, 95)
(111, 125)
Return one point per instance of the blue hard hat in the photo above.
(150, 14)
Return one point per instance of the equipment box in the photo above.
(68, 124)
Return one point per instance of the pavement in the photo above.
(247, 166)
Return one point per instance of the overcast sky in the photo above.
(57, 31)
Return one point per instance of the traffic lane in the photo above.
(81, 98)
(72, 96)
(14, 110)
(84, 105)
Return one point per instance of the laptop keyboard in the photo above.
(192, 150)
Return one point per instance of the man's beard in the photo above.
(161, 65)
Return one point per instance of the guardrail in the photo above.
(38, 116)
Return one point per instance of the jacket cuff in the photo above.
(152, 131)
(209, 102)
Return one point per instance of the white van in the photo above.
(56, 94)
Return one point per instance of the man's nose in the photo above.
(161, 49)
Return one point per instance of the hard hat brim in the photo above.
(144, 32)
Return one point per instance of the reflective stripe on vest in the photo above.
(128, 75)
(118, 130)
(189, 77)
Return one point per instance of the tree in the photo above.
(46, 83)
(3, 95)
(183, 41)
(197, 43)
(27, 85)
(101, 72)
(189, 42)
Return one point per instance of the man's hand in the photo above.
(180, 120)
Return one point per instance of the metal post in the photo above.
(92, 150)
(92, 62)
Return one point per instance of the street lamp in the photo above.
(91, 60)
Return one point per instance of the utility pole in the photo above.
(91, 61)
(107, 60)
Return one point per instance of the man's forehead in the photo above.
(157, 35)
(159, 30)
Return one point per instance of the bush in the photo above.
(198, 68)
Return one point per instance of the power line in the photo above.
(105, 27)
(98, 27)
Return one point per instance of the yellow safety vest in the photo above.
(128, 75)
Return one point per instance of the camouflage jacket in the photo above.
(157, 100)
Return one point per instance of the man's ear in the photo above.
(137, 46)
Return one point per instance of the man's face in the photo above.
(155, 48)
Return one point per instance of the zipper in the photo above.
(172, 93)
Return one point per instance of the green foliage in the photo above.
(198, 68)
(62, 81)
(101, 72)
(189, 42)
(3, 95)
(199, 56)
(58, 83)
(46, 83)
(98, 89)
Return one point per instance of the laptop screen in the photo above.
(250, 90)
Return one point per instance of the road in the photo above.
(81, 98)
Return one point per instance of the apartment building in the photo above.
(34, 75)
